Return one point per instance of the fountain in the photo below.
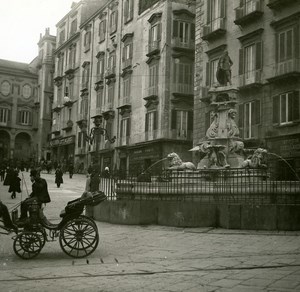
(230, 186)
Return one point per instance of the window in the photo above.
(87, 41)
(182, 122)
(113, 21)
(128, 10)
(126, 88)
(4, 115)
(215, 14)
(251, 63)
(249, 118)
(154, 37)
(5, 88)
(84, 107)
(72, 56)
(151, 121)
(127, 55)
(81, 142)
(183, 31)
(111, 63)
(60, 64)
(250, 6)
(211, 72)
(153, 79)
(73, 26)
(102, 30)
(61, 37)
(99, 99)
(125, 127)
(86, 75)
(100, 67)
(110, 96)
(26, 91)
(24, 117)
(286, 108)
(183, 77)
(285, 45)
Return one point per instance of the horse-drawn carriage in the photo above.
(77, 234)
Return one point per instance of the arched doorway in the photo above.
(4, 146)
(22, 147)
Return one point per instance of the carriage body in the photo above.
(77, 234)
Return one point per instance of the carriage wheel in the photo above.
(79, 237)
(27, 245)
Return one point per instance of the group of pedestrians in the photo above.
(12, 180)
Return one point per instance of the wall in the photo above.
(197, 214)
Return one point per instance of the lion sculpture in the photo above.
(256, 160)
(177, 164)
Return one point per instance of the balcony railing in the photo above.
(250, 78)
(124, 101)
(110, 72)
(274, 4)
(152, 91)
(154, 46)
(288, 66)
(183, 88)
(127, 63)
(250, 11)
(151, 135)
(181, 134)
(185, 44)
(215, 29)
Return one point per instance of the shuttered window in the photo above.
(4, 115)
(249, 118)
(286, 108)
(126, 87)
(128, 10)
(24, 117)
(151, 121)
(184, 31)
(125, 127)
(113, 21)
(182, 122)
(250, 59)
(99, 100)
(102, 30)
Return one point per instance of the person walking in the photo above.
(2, 172)
(58, 176)
(8, 176)
(14, 184)
(71, 170)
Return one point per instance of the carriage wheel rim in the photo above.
(79, 237)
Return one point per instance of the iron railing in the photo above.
(212, 186)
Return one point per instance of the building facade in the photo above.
(262, 38)
(136, 68)
(18, 111)
(67, 79)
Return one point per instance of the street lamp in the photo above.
(96, 132)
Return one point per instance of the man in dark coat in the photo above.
(39, 193)
(14, 184)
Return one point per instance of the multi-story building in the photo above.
(25, 107)
(137, 60)
(18, 111)
(45, 70)
(67, 78)
(262, 38)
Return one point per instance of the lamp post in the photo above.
(95, 134)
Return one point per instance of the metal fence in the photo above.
(241, 186)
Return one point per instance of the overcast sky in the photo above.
(22, 21)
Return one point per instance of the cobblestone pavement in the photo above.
(153, 258)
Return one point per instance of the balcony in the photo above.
(250, 79)
(124, 141)
(278, 4)
(181, 134)
(154, 48)
(110, 73)
(214, 30)
(82, 121)
(69, 126)
(58, 79)
(151, 135)
(124, 101)
(183, 88)
(179, 43)
(56, 107)
(127, 63)
(249, 12)
(286, 70)
(152, 91)
(55, 130)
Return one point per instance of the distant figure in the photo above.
(224, 69)
(106, 172)
(2, 173)
(8, 176)
(58, 176)
(71, 170)
(14, 184)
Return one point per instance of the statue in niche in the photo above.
(224, 69)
